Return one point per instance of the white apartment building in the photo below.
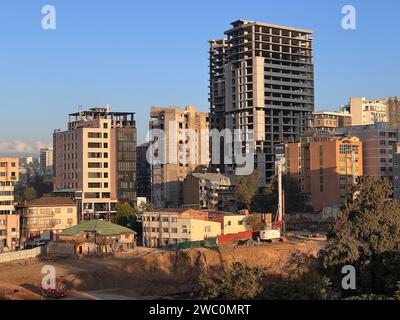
(368, 111)
(46, 160)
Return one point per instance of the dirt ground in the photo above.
(142, 273)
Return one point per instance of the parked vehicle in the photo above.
(59, 291)
(35, 243)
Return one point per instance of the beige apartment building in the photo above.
(368, 111)
(9, 220)
(165, 227)
(46, 218)
(261, 80)
(95, 160)
(379, 145)
(170, 227)
(184, 148)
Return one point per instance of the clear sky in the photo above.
(134, 54)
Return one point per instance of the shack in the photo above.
(96, 236)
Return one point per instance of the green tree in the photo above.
(366, 235)
(302, 280)
(30, 194)
(40, 185)
(267, 201)
(239, 283)
(254, 222)
(245, 189)
(145, 207)
(125, 212)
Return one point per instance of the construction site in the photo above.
(147, 273)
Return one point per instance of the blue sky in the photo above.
(133, 54)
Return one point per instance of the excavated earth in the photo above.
(143, 273)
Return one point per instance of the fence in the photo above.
(209, 243)
(235, 236)
(22, 254)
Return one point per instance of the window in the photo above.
(94, 135)
(207, 229)
(94, 155)
(94, 175)
(94, 145)
(94, 185)
(166, 230)
(184, 229)
(94, 165)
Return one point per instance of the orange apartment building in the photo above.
(9, 220)
(328, 120)
(326, 167)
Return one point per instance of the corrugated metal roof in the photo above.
(98, 226)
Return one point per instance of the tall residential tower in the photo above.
(262, 80)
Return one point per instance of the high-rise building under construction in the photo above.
(262, 80)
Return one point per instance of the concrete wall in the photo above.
(60, 249)
(21, 255)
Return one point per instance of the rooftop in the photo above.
(242, 22)
(213, 177)
(51, 202)
(97, 226)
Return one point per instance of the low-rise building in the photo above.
(230, 223)
(330, 120)
(45, 218)
(9, 232)
(169, 227)
(209, 191)
(96, 236)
